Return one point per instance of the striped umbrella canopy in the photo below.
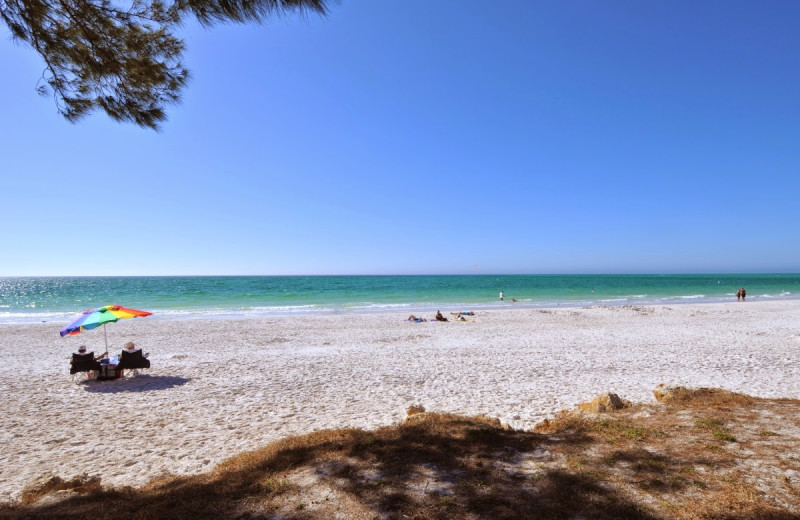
(93, 318)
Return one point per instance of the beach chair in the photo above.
(84, 365)
(133, 361)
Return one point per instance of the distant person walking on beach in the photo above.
(739, 295)
(502, 295)
(744, 293)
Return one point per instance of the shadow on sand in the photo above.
(140, 383)
(434, 467)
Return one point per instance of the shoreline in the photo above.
(217, 313)
(218, 387)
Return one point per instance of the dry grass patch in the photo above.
(49, 485)
(694, 398)
(643, 462)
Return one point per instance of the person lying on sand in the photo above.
(414, 318)
(439, 316)
(463, 313)
(458, 316)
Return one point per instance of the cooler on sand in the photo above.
(107, 372)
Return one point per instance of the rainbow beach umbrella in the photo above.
(93, 318)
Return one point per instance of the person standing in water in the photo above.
(502, 295)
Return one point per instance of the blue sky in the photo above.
(430, 137)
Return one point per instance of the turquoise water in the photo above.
(61, 298)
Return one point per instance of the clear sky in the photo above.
(430, 137)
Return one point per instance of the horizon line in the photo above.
(614, 273)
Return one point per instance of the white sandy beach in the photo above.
(220, 387)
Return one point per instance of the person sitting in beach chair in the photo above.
(131, 358)
(82, 352)
(83, 361)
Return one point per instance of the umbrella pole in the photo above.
(105, 334)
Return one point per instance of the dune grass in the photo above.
(702, 454)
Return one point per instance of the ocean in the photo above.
(60, 299)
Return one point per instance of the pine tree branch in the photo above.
(126, 62)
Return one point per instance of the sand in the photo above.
(220, 387)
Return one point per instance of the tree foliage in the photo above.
(123, 58)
